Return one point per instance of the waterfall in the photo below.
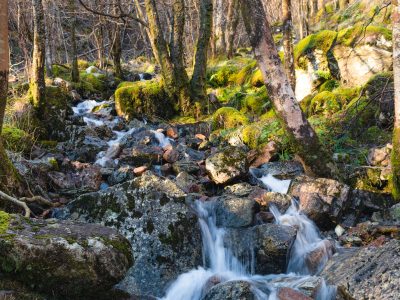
(220, 265)
(162, 139)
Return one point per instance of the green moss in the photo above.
(143, 98)
(257, 79)
(251, 135)
(4, 222)
(325, 103)
(256, 102)
(228, 118)
(83, 64)
(126, 84)
(328, 85)
(223, 76)
(352, 35)
(322, 40)
(122, 246)
(16, 139)
(395, 160)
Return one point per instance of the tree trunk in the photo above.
(313, 7)
(117, 53)
(287, 42)
(233, 19)
(73, 51)
(198, 81)
(9, 179)
(316, 161)
(396, 74)
(38, 85)
(219, 28)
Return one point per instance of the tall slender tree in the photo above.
(38, 85)
(288, 42)
(72, 34)
(396, 75)
(9, 179)
(307, 144)
(233, 21)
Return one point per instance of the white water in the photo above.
(275, 185)
(86, 107)
(219, 262)
(162, 139)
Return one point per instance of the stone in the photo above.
(280, 169)
(226, 166)
(140, 170)
(200, 136)
(394, 213)
(263, 155)
(185, 166)
(172, 132)
(367, 273)
(316, 258)
(322, 200)
(286, 293)
(171, 156)
(64, 258)
(123, 174)
(151, 212)
(231, 290)
(281, 201)
(141, 154)
(268, 244)
(235, 212)
(379, 156)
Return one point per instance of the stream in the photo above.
(219, 262)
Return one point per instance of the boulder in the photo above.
(63, 258)
(151, 212)
(286, 293)
(266, 246)
(281, 169)
(235, 212)
(262, 155)
(121, 175)
(141, 154)
(367, 273)
(231, 290)
(322, 200)
(225, 166)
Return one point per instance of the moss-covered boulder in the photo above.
(228, 118)
(151, 212)
(64, 259)
(16, 140)
(143, 99)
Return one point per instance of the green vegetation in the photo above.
(4, 222)
(356, 34)
(16, 140)
(228, 118)
(322, 40)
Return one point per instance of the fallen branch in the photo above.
(38, 199)
(16, 202)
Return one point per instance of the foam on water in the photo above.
(86, 107)
(274, 184)
(162, 139)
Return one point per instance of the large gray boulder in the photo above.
(62, 258)
(226, 166)
(231, 290)
(151, 212)
(367, 273)
(235, 212)
(265, 247)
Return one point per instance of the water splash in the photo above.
(86, 107)
(162, 139)
(274, 184)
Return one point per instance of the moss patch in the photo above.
(16, 140)
(228, 118)
(4, 222)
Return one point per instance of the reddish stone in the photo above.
(266, 217)
(264, 155)
(291, 294)
(201, 136)
(317, 257)
(171, 156)
(172, 133)
(140, 170)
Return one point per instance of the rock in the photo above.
(171, 156)
(235, 212)
(316, 259)
(63, 258)
(59, 82)
(339, 230)
(76, 97)
(279, 169)
(92, 70)
(226, 166)
(185, 166)
(242, 189)
(379, 156)
(172, 132)
(268, 245)
(231, 290)
(394, 213)
(200, 136)
(286, 293)
(263, 155)
(281, 201)
(141, 154)
(140, 170)
(322, 200)
(185, 181)
(151, 212)
(309, 286)
(194, 128)
(121, 175)
(367, 273)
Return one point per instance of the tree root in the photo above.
(16, 202)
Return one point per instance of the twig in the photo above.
(17, 202)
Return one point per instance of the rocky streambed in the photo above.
(146, 210)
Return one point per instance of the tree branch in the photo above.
(16, 202)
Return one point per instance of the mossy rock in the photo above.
(228, 118)
(223, 76)
(251, 135)
(4, 222)
(16, 140)
(256, 103)
(323, 40)
(324, 103)
(144, 99)
(358, 35)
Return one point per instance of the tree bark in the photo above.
(198, 81)
(8, 176)
(233, 22)
(219, 46)
(73, 51)
(287, 42)
(396, 74)
(38, 85)
(307, 144)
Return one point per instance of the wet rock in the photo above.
(228, 165)
(76, 97)
(231, 290)
(317, 257)
(322, 200)
(242, 189)
(268, 244)
(235, 212)
(172, 132)
(151, 212)
(67, 259)
(281, 201)
(394, 213)
(185, 181)
(286, 293)
(123, 174)
(367, 273)
(309, 286)
(279, 169)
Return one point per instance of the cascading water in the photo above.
(220, 264)
(162, 139)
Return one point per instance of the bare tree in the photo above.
(233, 21)
(316, 161)
(288, 42)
